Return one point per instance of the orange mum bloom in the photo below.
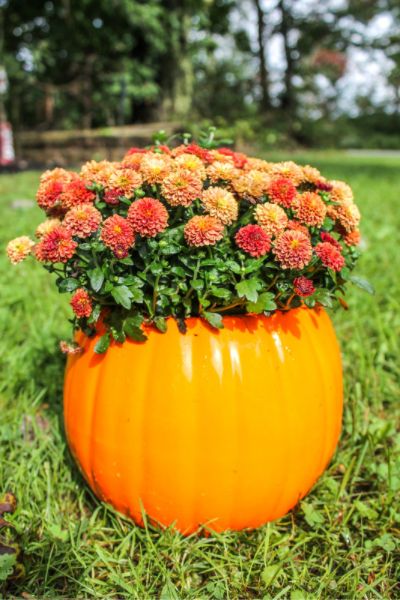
(221, 171)
(81, 303)
(310, 209)
(205, 155)
(220, 203)
(352, 238)
(282, 191)
(148, 217)
(56, 246)
(297, 226)
(340, 192)
(125, 181)
(271, 217)
(82, 220)
(348, 216)
(191, 162)
(258, 164)
(253, 240)
(75, 192)
(330, 256)
(203, 230)
(118, 235)
(293, 249)
(52, 184)
(289, 170)
(154, 167)
(252, 184)
(97, 172)
(18, 249)
(181, 187)
(46, 226)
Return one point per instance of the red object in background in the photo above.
(7, 154)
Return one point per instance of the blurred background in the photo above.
(82, 78)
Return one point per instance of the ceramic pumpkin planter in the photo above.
(227, 429)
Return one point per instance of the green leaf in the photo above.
(248, 289)
(214, 319)
(313, 517)
(133, 330)
(96, 278)
(270, 573)
(264, 302)
(220, 293)
(122, 295)
(362, 283)
(8, 561)
(324, 297)
(197, 284)
(161, 324)
(137, 295)
(68, 285)
(103, 344)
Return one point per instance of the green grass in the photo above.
(340, 542)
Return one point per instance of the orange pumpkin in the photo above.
(227, 429)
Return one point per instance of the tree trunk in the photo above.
(265, 103)
(288, 98)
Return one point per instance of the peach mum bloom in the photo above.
(46, 226)
(221, 171)
(271, 217)
(56, 246)
(220, 203)
(118, 235)
(70, 349)
(97, 172)
(341, 192)
(75, 192)
(126, 181)
(348, 216)
(82, 220)
(57, 174)
(297, 226)
(253, 240)
(191, 162)
(290, 170)
(293, 249)
(203, 230)
(352, 238)
(181, 187)
(81, 303)
(155, 167)
(148, 216)
(258, 164)
(312, 175)
(281, 190)
(19, 248)
(310, 209)
(133, 161)
(330, 256)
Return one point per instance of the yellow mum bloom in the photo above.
(220, 203)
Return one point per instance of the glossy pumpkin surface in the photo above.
(227, 429)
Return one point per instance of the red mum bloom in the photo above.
(310, 209)
(282, 191)
(203, 231)
(253, 240)
(81, 303)
(49, 194)
(327, 237)
(118, 235)
(112, 196)
(75, 192)
(303, 287)
(56, 246)
(330, 256)
(202, 153)
(239, 159)
(82, 220)
(148, 216)
(293, 249)
(135, 150)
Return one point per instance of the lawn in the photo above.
(340, 542)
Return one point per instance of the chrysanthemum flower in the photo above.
(282, 191)
(191, 162)
(135, 150)
(155, 167)
(221, 171)
(289, 170)
(51, 187)
(82, 220)
(70, 349)
(293, 249)
(251, 184)
(310, 209)
(118, 235)
(330, 256)
(203, 230)
(271, 217)
(181, 187)
(220, 203)
(133, 161)
(205, 155)
(56, 246)
(81, 303)
(303, 286)
(148, 217)
(57, 174)
(46, 226)
(348, 215)
(294, 225)
(258, 164)
(311, 175)
(126, 181)
(352, 238)
(340, 192)
(75, 192)
(327, 237)
(239, 159)
(253, 240)
(97, 172)
(19, 248)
